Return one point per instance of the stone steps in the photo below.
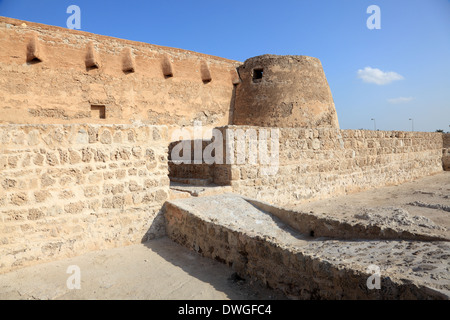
(258, 245)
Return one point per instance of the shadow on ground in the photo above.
(218, 275)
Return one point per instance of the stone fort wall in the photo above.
(85, 126)
(69, 189)
(56, 75)
(284, 91)
(325, 162)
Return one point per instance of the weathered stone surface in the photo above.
(89, 183)
(41, 196)
(260, 246)
(67, 185)
(319, 163)
(284, 91)
(86, 69)
(92, 60)
(446, 152)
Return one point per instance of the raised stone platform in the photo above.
(255, 243)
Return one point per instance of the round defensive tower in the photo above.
(284, 91)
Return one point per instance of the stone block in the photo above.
(41, 196)
(19, 199)
(105, 137)
(35, 214)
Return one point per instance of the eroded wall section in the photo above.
(446, 152)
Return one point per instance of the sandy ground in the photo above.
(428, 197)
(158, 269)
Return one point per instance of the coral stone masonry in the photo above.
(87, 128)
(55, 75)
(284, 91)
(68, 189)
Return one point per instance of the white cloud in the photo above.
(400, 100)
(377, 76)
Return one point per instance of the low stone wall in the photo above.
(69, 189)
(321, 163)
(298, 270)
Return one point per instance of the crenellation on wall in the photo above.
(205, 72)
(166, 66)
(92, 58)
(34, 49)
(134, 81)
(128, 62)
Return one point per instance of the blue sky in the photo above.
(392, 74)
